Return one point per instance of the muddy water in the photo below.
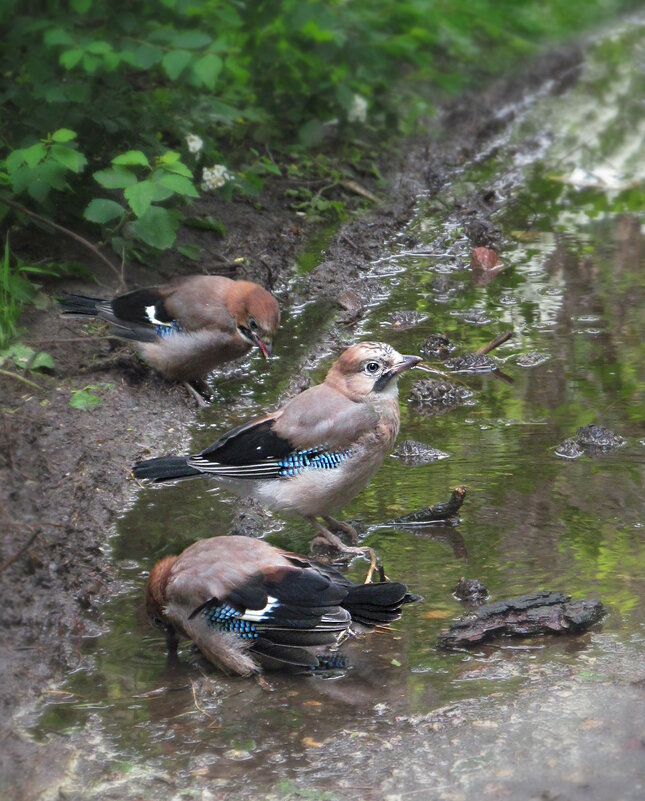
(567, 177)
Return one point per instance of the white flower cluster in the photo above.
(357, 112)
(215, 176)
(194, 142)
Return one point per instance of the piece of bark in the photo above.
(435, 513)
(529, 615)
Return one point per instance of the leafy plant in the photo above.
(26, 359)
(143, 186)
(85, 399)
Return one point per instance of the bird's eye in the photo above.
(372, 367)
(252, 324)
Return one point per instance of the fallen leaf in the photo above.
(310, 742)
(484, 259)
(434, 614)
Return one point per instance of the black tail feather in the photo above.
(164, 468)
(79, 304)
(378, 604)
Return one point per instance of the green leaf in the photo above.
(207, 69)
(15, 159)
(179, 184)
(157, 227)
(99, 48)
(169, 157)
(145, 56)
(178, 168)
(395, 662)
(101, 210)
(208, 223)
(70, 58)
(21, 355)
(68, 157)
(90, 63)
(190, 40)
(81, 6)
(132, 158)
(175, 62)
(57, 36)
(140, 196)
(115, 178)
(84, 400)
(63, 135)
(193, 252)
(35, 154)
(42, 361)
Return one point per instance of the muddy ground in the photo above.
(64, 472)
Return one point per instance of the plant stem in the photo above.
(81, 239)
(20, 378)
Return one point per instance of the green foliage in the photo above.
(142, 77)
(143, 186)
(85, 399)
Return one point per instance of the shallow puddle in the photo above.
(570, 170)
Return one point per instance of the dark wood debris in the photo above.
(529, 615)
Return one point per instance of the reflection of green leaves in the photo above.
(85, 399)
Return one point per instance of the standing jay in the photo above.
(189, 326)
(318, 451)
(249, 606)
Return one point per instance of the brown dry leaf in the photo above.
(311, 743)
(312, 703)
(484, 259)
(591, 723)
(435, 614)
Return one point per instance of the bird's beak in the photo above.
(265, 347)
(393, 372)
(408, 361)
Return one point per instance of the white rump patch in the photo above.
(257, 615)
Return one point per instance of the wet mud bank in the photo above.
(64, 480)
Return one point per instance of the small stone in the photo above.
(532, 359)
(414, 453)
(472, 363)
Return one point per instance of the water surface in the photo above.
(571, 170)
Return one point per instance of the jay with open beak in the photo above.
(249, 606)
(314, 454)
(189, 326)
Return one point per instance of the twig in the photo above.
(20, 551)
(81, 239)
(134, 478)
(500, 339)
(21, 378)
(59, 341)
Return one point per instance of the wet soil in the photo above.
(64, 475)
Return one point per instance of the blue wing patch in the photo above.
(225, 618)
(168, 329)
(295, 463)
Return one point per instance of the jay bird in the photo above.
(187, 327)
(314, 454)
(249, 606)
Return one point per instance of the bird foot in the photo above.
(344, 553)
(200, 391)
(345, 528)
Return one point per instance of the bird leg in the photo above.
(200, 391)
(335, 542)
(337, 525)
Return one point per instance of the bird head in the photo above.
(369, 371)
(156, 590)
(256, 313)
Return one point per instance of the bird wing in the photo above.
(247, 587)
(141, 315)
(316, 429)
